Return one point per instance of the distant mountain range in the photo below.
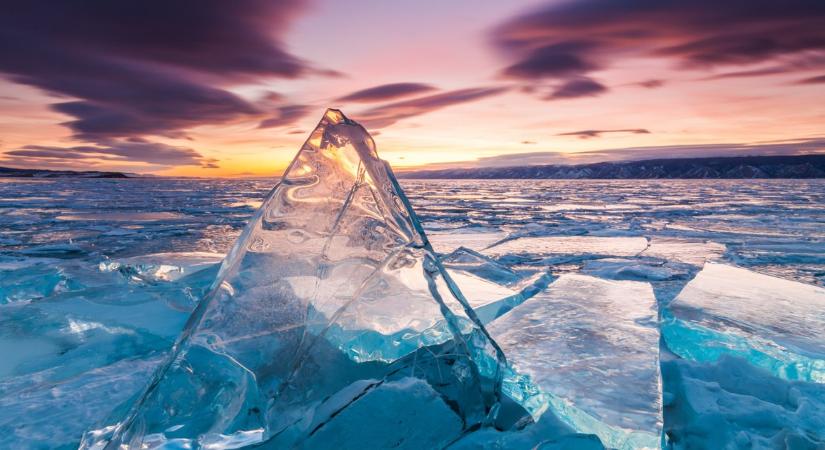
(804, 166)
(8, 172)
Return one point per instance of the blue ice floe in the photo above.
(592, 347)
(771, 322)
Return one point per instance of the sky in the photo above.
(211, 88)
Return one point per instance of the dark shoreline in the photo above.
(9, 172)
(737, 167)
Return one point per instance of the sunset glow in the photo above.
(440, 84)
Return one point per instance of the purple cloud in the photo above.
(651, 84)
(572, 39)
(794, 147)
(556, 60)
(386, 92)
(113, 151)
(386, 115)
(580, 87)
(813, 80)
(588, 134)
(147, 68)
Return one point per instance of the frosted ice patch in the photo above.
(134, 216)
(563, 207)
(478, 291)
(729, 405)
(446, 242)
(553, 245)
(23, 280)
(471, 261)
(17, 350)
(592, 346)
(491, 288)
(635, 270)
(774, 323)
(162, 266)
(693, 252)
(39, 412)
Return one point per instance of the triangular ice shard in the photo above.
(332, 296)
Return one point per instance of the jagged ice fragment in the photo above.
(332, 298)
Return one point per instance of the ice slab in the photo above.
(635, 270)
(473, 262)
(666, 277)
(491, 300)
(570, 245)
(547, 434)
(695, 252)
(162, 266)
(39, 412)
(331, 285)
(478, 291)
(121, 216)
(28, 279)
(427, 422)
(54, 251)
(70, 358)
(491, 289)
(592, 347)
(76, 335)
(449, 241)
(773, 323)
(731, 404)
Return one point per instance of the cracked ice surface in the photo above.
(773, 323)
(66, 327)
(331, 291)
(592, 346)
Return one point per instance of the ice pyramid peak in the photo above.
(330, 297)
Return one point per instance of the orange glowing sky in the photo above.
(470, 82)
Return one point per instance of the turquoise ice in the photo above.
(773, 323)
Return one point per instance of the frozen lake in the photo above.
(97, 277)
(776, 227)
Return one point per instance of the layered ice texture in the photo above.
(330, 304)
(162, 266)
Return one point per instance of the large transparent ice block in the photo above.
(774, 323)
(331, 290)
(592, 347)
